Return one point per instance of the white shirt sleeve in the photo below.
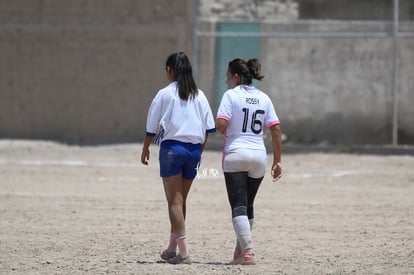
(209, 122)
(225, 110)
(154, 115)
(271, 117)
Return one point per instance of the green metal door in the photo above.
(230, 47)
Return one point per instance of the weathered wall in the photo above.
(85, 71)
(331, 90)
(326, 90)
(406, 90)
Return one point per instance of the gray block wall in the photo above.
(85, 71)
(327, 90)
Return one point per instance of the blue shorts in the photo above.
(179, 157)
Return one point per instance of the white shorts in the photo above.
(246, 160)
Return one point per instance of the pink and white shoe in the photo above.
(244, 259)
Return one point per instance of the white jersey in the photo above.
(247, 110)
(185, 121)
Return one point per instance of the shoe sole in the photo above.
(244, 261)
(179, 261)
(166, 256)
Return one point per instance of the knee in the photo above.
(239, 211)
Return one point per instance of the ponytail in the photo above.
(255, 68)
(247, 70)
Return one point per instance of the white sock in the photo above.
(242, 228)
(182, 245)
(251, 228)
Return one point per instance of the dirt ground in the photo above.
(74, 210)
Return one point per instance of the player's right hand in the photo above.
(145, 156)
(276, 171)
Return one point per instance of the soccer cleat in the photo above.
(180, 260)
(166, 255)
(244, 259)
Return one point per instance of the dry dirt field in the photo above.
(96, 210)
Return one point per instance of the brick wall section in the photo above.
(85, 71)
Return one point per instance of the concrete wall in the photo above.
(330, 90)
(326, 90)
(85, 71)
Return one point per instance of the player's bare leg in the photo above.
(176, 191)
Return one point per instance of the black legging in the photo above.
(241, 191)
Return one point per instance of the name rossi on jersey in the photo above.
(252, 100)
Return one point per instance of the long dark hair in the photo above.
(183, 74)
(247, 70)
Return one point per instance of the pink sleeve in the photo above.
(223, 117)
(272, 123)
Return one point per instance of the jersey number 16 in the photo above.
(256, 124)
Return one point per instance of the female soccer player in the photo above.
(243, 112)
(181, 116)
